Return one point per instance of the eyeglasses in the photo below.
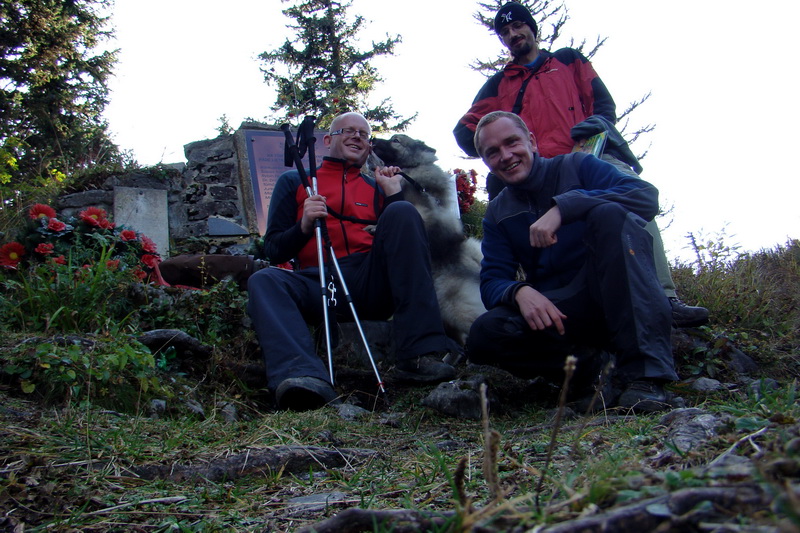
(352, 132)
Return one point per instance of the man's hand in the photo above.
(314, 207)
(539, 312)
(389, 179)
(543, 231)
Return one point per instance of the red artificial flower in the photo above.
(127, 235)
(112, 264)
(56, 225)
(44, 248)
(105, 224)
(60, 260)
(150, 261)
(11, 254)
(148, 245)
(139, 273)
(93, 216)
(41, 211)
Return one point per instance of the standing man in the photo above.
(562, 100)
(575, 226)
(388, 274)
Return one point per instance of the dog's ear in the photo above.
(421, 146)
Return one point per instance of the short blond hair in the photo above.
(497, 115)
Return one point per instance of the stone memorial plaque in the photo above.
(144, 211)
(265, 154)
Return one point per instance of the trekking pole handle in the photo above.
(292, 153)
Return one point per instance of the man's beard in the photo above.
(521, 50)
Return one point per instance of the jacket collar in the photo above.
(535, 180)
(333, 164)
(513, 69)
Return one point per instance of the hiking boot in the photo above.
(644, 396)
(596, 400)
(424, 369)
(304, 394)
(687, 316)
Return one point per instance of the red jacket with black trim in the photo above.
(562, 90)
(354, 201)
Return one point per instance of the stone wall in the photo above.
(209, 196)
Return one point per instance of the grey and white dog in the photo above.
(455, 258)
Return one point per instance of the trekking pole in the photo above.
(292, 151)
(305, 135)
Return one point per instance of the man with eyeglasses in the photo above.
(562, 100)
(388, 273)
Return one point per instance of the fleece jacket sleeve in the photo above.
(284, 239)
(601, 182)
(498, 267)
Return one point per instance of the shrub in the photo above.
(116, 373)
(757, 292)
(208, 314)
(71, 276)
(473, 219)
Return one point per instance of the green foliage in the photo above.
(53, 91)
(71, 276)
(224, 127)
(709, 359)
(752, 292)
(321, 73)
(473, 219)
(209, 315)
(66, 298)
(115, 373)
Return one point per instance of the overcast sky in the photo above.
(719, 72)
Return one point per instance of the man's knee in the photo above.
(258, 279)
(611, 219)
(489, 331)
(401, 210)
(400, 223)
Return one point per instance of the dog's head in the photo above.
(403, 151)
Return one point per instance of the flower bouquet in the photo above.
(80, 242)
(72, 275)
(466, 186)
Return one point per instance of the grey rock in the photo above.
(762, 386)
(142, 180)
(706, 385)
(224, 192)
(741, 362)
(185, 345)
(157, 408)
(228, 411)
(205, 210)
(459, 399)
(391, 419)
(220, 226)
(352, 412)
(450, 445)
(194, 407)
(80, 200)
(688, 429)
(315, 503)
